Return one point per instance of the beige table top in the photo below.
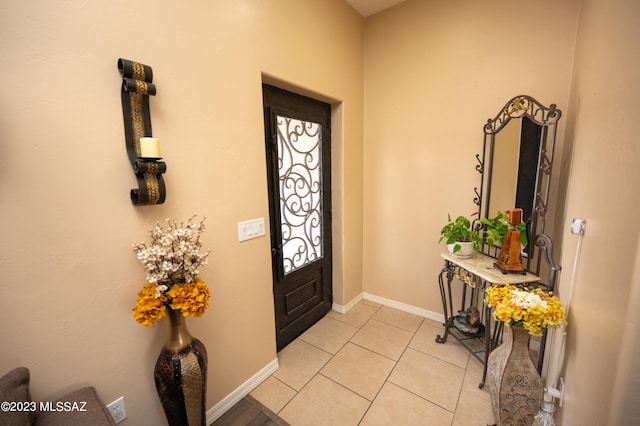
(481, 266)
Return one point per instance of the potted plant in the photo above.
(497, 227)
(460, 236)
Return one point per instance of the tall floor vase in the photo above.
(514, 383)
(181, 375)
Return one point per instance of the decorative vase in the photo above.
(514, 383)
(181, 375)
(466, 249)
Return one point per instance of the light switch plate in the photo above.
(251, 229)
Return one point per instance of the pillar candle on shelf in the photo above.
(149, 148)
(515, 216)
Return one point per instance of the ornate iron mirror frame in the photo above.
(547, 118)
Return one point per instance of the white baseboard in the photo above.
(425, 313)
(243, 390)
(343, 309)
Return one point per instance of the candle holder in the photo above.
(510, 259)
(137, 86)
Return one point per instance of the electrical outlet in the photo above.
(117, 410)
(578, 226)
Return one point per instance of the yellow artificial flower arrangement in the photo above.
(535, 309)
(172, 261)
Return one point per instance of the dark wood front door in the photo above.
(298, 147)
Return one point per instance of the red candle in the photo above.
(515, 216)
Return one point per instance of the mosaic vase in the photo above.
(514, 383)
(181, 375)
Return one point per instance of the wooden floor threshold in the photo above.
(249, 412)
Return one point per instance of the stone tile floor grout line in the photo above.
(428, 393)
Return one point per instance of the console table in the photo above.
(471, 277)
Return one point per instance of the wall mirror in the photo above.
(515, 167)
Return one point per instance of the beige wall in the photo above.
(69, 275)
(602, 363)
(434, 73)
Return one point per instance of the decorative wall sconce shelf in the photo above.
(142, 149)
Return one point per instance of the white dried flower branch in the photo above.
(173, 255)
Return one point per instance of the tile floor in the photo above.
(376, 365)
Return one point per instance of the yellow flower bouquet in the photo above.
(172, 261)
(535, 309)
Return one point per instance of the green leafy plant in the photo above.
(497, 227)
(460, 230)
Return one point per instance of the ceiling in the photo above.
(369, 7)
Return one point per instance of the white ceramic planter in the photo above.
(466, 249)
